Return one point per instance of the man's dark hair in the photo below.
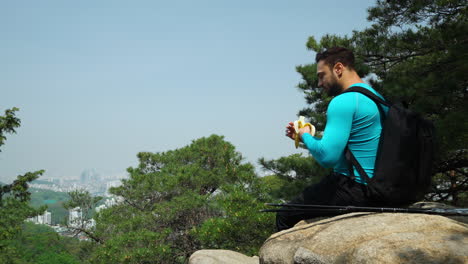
(334, 55)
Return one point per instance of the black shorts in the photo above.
(334, 189)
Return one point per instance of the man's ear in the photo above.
(338, 69)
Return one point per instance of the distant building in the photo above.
(75, 217)
(40, 219)
(109, 203)
(100, 207)
(111, 184)
(90, 223)
(114, 201)
(57, 181)
(89, 176)
(44, 219)
(47, 217)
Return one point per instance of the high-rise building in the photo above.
(48, 217)
(32, 219)
(89, 176)
(44, 219)
(75, 217)
(40, 219)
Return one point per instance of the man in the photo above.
(353, 120)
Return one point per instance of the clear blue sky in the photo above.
(99, 81)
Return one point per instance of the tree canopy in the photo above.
(176, 202)
(289, 175)
(41, 244)
(14, 197)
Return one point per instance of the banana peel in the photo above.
(298, 124)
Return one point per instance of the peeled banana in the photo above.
(298, 124)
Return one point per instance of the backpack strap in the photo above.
(369, 94)
(377, 100)
(350, 158)
(353, 161)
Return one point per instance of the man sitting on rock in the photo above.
(353, 120)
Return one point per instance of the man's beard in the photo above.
(334, 89)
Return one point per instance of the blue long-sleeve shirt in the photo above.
(352, 119)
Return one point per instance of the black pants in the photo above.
(334, 189)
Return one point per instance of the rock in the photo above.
(370, 238)
(219, 256)
(428, 205)
(304, 256)
(311, 220)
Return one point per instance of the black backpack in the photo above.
(403, 166)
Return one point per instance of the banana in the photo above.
(298, 124)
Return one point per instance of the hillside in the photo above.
(54, 202)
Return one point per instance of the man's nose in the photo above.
(319, 84)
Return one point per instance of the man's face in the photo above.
(327, 79)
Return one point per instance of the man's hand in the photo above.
(291, 132)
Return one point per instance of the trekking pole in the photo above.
(349, 209)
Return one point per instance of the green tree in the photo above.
(291, 174)
(8, 123)
(84, 203)
(169, 198)
(41, 244)
(14, 197)
(240, 226)
(417, 52)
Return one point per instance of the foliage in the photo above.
(291, 174)
(241, 227)
(14, 197)
(82, 201)
(8, 123)
(415, 51)
(141, 246)
(169, 198)
(40, 197)
(41, 244)
(14, 206)
(448, 187)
